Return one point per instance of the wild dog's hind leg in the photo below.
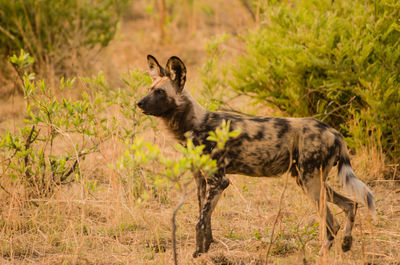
(311, 184)
(216, 185)
(350, 208)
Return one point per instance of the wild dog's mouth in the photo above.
(147, 112)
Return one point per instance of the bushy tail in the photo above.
(351, 184)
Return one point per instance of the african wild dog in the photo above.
(266, 146)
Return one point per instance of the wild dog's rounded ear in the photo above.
(176, 71)
(156, 69)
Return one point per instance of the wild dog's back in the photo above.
(265, 144)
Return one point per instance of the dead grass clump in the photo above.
(370, 164)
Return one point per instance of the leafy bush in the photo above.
(59, 133)
(56, 31)
(336, 61)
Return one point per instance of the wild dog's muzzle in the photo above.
(149, 106)
(141, 103)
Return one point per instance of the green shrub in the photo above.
(336, 61)
(54, 32)
(59, 132)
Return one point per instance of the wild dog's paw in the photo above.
(196, 254)
(346, 245)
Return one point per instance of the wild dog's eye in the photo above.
(159, 91)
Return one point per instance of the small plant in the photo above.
(31, 155)
(305, 235)
(59, 133)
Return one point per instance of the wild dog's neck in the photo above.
(186, 117)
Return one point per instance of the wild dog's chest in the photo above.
(200, 138)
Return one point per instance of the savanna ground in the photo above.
(102, 225)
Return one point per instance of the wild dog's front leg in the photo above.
(216, 185)
(201, 189)
(201, 195)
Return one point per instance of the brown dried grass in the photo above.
(107, 227)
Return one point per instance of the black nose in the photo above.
(140, 104)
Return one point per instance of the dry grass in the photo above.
(107, 226)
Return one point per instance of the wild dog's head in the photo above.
(167, 86)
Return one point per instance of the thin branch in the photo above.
(335, 109)
(28, 142)
(72, 169)
(7, 33)
(247, 6)
(181, 202)
(2, 187)
(280, 204)
(322, 213)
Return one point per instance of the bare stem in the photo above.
(280, 206)
(181, 202)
